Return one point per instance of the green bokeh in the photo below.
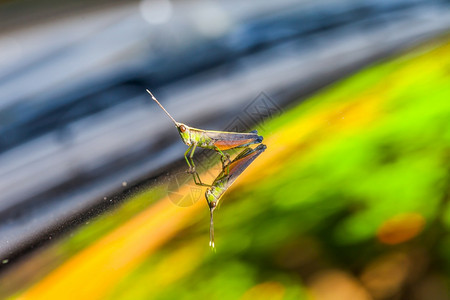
(324, 205)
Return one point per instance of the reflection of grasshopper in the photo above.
(216, 140)
(226, 179)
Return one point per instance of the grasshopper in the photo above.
(209, 139)
(225, 179)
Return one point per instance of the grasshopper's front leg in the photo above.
(186, 158)
(191, 165)
(198, 181)
(191, 158)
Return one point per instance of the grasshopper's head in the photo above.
(211, 198)
(183, 130)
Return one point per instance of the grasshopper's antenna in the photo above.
(153, 97)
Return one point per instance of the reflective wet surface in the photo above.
(94, 181)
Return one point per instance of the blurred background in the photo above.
(349, 201)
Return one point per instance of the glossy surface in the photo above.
(351, 199)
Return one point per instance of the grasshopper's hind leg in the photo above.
(226, 163)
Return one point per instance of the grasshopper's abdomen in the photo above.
(200, 138)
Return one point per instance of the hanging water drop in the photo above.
(211, 228)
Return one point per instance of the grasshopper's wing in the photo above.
(230, 140)
(249, 151)
(238, 165)
(236, 168)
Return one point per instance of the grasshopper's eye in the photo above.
(182, 128)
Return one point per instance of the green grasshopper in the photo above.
(225, 179)
(216, 140)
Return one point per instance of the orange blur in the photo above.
(400, 228)
(225, 145)
(94, 271)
